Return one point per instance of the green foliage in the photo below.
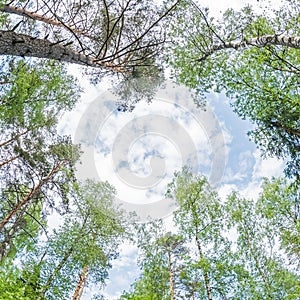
(262, 82)
(200, 219)
(89, 236)
(154, 280)
(279, 206)
(237, 249)
(35, 164)
(262, 272)
(32, 93)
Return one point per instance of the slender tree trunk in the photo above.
(258, 267)
(84, 283)
(171, 276)
(10, 234)
(17, 44)
(62, 263)
(54, 273)
(286, 129)
(6, 242)
(81, 283)
(26, 199)
(8, 161)
(193, 295)
(205, 275)
(28, 14)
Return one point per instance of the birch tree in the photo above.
(200, 221)
(262, 271)
(254, 59)
(279, 207)
(153, 283)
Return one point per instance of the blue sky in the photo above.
(138, 152)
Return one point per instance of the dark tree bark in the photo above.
(16, 44)
(110, 39)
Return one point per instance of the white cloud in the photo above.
(225, 190)
(267, 167)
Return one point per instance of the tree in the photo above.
(81, 249)
(36, 167)
(254, 59)
(233, 249)
(279, 207)
(154, 281)
(33, 93)
(172, 247)
(113, 36)
(12, 286)
(22, 235)
(261, 269)
(200, 221)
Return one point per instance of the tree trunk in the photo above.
(8, 161)
(205, 275)
(286, 129)
(62, 262)
(171, 277)
(54, 273)
(17, 44)
(262, 41)
(29, 195)
(257, 265)
(7, 241)
(81, 283)
(28, 14)
(84, 283)
(14, 138)
(8, 237)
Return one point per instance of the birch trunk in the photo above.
(61, 263)
(205, 275)
(171, 277)
(54, 273)
(262, 41)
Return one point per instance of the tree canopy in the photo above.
(111, 35)
(254, 59)
(223, 249)
(233, 248)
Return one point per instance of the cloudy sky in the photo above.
(138, 152)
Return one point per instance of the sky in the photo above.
(138, 152)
